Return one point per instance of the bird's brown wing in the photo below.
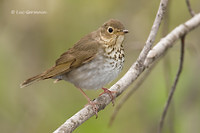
(80, 54)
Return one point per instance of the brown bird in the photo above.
(92, 62)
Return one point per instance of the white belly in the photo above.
(95, 74)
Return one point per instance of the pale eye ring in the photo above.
(110, 30)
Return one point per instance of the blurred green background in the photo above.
(31, 43)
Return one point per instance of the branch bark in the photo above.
(146, 58)
(192, 13)
(162, 46)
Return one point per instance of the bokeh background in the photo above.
(29, 44)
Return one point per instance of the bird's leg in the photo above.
(105, 90)
(93, 104)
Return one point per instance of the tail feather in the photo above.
(31, 80)
(50, 73)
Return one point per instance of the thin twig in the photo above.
(192, 13)
(174, 85)
(154, 31)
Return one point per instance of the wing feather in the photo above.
(80, 54)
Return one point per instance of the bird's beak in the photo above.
(122, 32)
(125, 31)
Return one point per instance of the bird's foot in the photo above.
(94, 107)
(110, 93)
(92, 103)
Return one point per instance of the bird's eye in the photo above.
(110, 30)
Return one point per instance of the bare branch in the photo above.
(168, 41)
(174, 85)
(192, 13)
(153, 33)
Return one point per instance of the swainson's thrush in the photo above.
(92, 62)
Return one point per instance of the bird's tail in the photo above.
(49, 73)
(31, 80)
